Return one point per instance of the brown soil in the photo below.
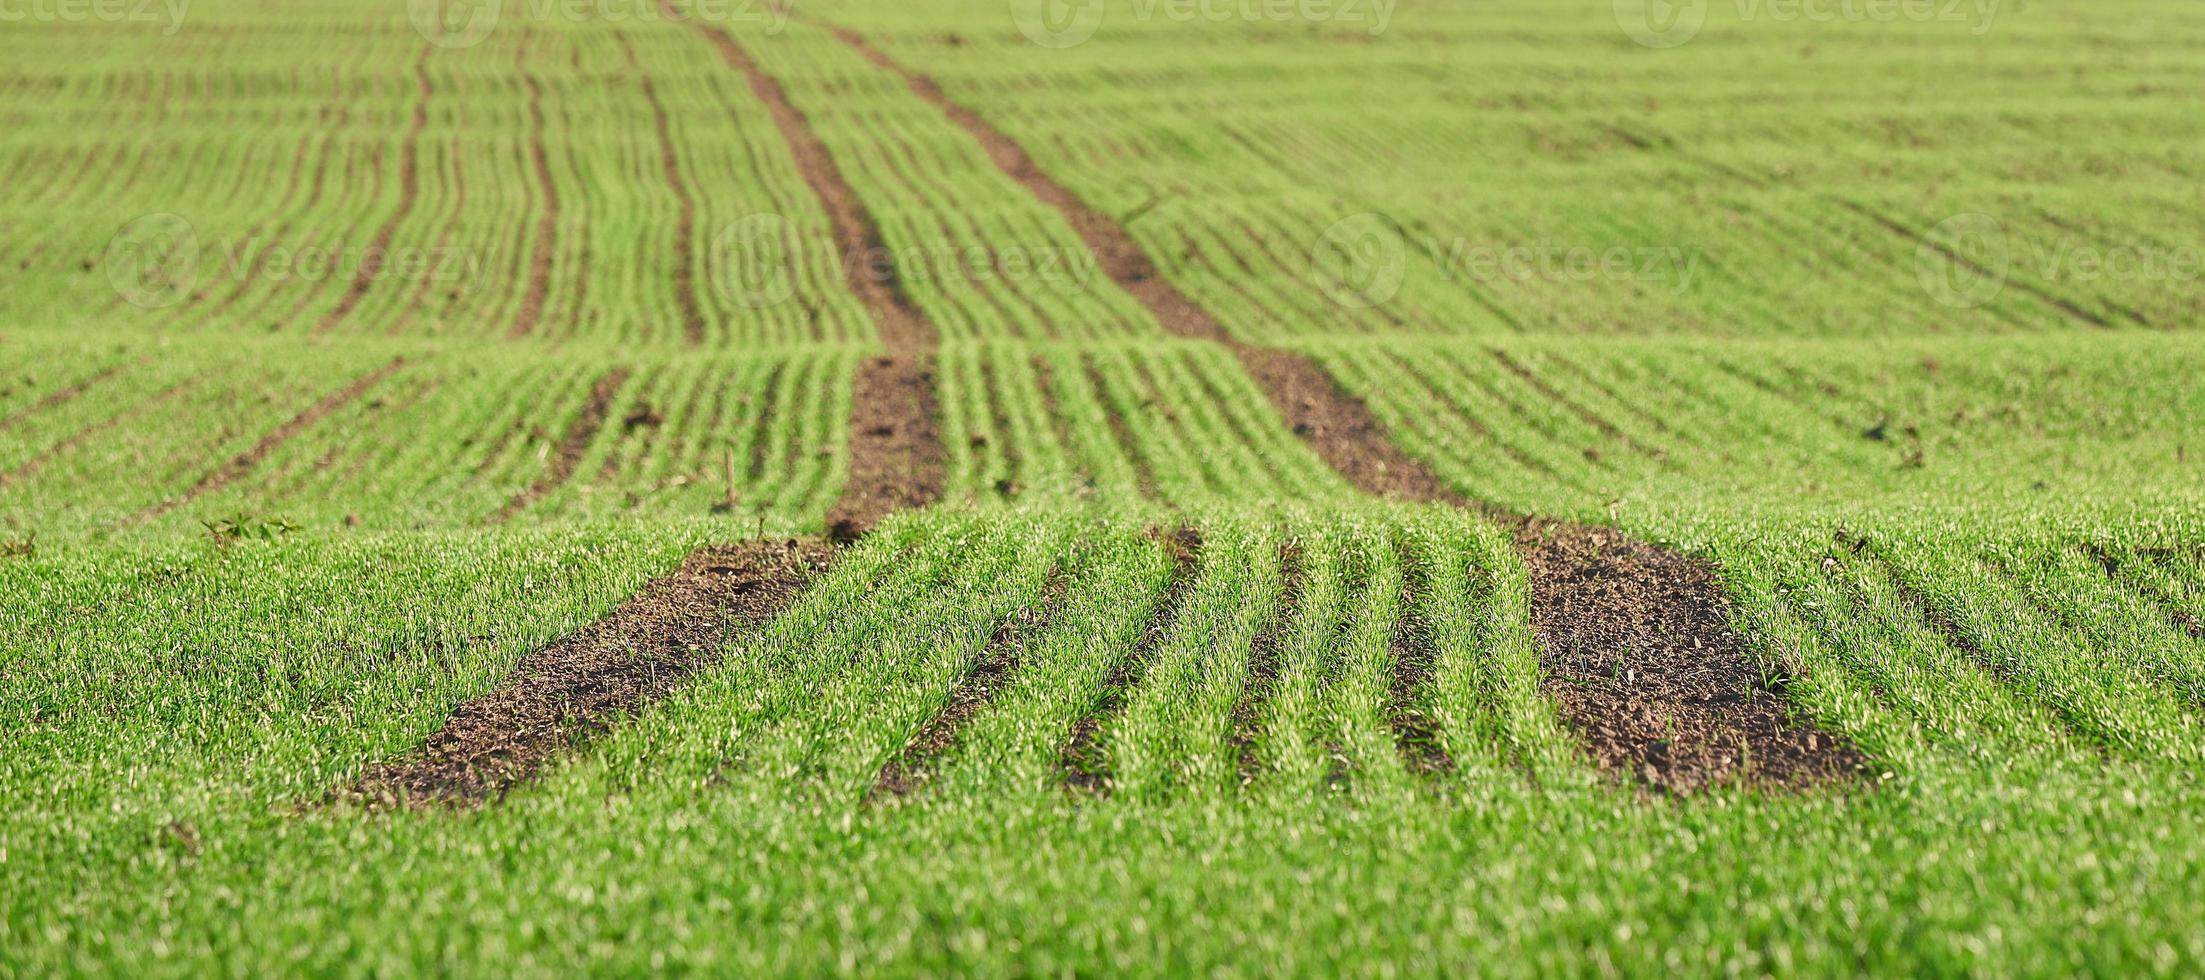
(896, 457)
(866, 266)
(244, 462)
(685, 221)
(576, 443)
(1341, 429)
(1638, 652)
(409, 187)
(897, 460)
(1086, 766)
(995, 670)
(582, 683)
(1687, 709)
(1338, 425)
(547, 223)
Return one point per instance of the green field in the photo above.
(353, 353)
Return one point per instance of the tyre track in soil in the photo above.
(409, 191)
(897, 459)
(1636, 650)
(572, 446)
(244, 463)
(685, 220)
(581, 684)
(547, 224)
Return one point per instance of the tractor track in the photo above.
(897, 460)
(1654, 617)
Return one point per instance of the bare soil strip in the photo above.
(244, 462)
(1416, 733)
(409, 188)
(572, 447)
(1638, 651)
(1085, 765)
(59, 398)
(995, 670)
(1339, 425)
(1264, 666)
(685, 222)
(547, 223)
(581, 684)
(897, 460)
(1589, 605)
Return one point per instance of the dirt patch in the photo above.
(685, 220)
(897, 459)
(1085, 765)
(1637, 651)
(578, 686)
(567, 457)
(1342, 430)
(244, 462)
(547, 223)
(1335, 423)
(409, 191)
(1688, 710)
(996, 668)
